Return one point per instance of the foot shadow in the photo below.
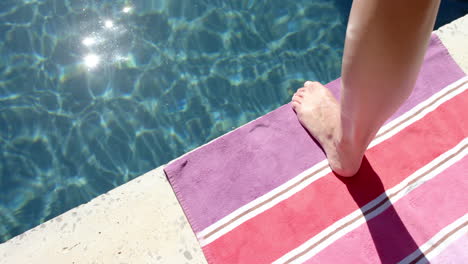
(391, 239)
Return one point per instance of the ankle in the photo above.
(348, 159)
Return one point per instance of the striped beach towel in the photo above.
(263, 193)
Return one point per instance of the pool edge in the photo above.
(455, 37)
(137, 222)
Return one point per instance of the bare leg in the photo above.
(384, 49)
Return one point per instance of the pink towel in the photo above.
(264, 193)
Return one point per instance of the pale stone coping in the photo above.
(455, 38)
(138, 222)
(142, 221)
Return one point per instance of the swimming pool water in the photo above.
(94, 93)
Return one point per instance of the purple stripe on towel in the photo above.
(217, 179)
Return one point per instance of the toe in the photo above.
(296, 98)
(295, 105)
(299, 93)
(309, 83)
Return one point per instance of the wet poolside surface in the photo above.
(95, 93)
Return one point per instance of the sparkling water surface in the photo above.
(94, 93)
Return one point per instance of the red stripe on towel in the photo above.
(399, 231)
(293, 221)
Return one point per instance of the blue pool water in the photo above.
(94, 93)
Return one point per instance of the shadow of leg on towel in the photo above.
(392, 240)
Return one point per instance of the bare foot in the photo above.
(319, 112)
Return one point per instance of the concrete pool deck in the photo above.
(142, 221)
